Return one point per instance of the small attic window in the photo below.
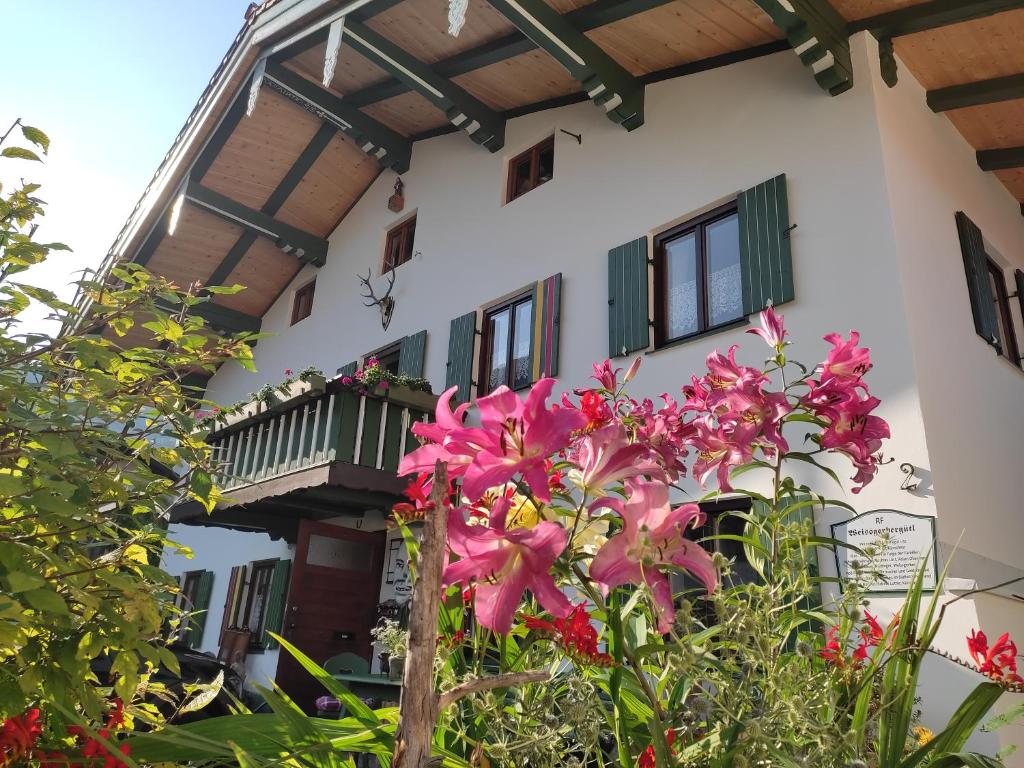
(532, 168)
(302, 304)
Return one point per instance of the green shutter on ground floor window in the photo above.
(461, 348)
(766, 261)
(349, 369)
(235, 581)
(547, 300)
(628, 306)
(277, 596)
(197, 624)
(410, 355)
(979, 284)
(1018, 276)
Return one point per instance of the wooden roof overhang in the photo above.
(318, 97)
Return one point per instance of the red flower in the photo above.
(575, 633)
(18, 735)
(998, 662)
(648, 758)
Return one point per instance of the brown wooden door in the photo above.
(332, 601)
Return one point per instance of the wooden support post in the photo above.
(419, 707)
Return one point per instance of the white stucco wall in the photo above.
(873, 181)
(972, 400)
(219, 550)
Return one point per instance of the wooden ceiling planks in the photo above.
(410, 114)
(991, 126)
(421, 27)
(265, 271)
(199, 243)
(967, 52)
(1013, 180)
(330, 188)
(276, 133)
(352, 73)
(523, 79)
(862, 9)
(683, 31)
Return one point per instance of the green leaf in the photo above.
(46, 600)
(36, 136)
(20, 153)
(1010, 716)
(19, 581)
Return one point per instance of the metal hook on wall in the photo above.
(908, 469)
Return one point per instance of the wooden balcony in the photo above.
(325, 453)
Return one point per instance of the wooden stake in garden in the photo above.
(419, 708)
(421, 705)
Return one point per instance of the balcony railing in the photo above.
(339, 425)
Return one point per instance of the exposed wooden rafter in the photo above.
(305, 246)
(818, 34)
(463, 110)
(391, 149)
(930, 15)
(975, 94)
(605, 81)
(589, 17)
(277, 198)
(226, 319)
(1001, 159)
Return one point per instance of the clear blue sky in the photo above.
(111, 82)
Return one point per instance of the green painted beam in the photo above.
(277, 198)
(975, 94)
(593, 16)
(1003, 159)
(390, 148)
(224, 318)
(818, 34)
(305, 246)
(463, 110)
(606, 82)
(930, 15)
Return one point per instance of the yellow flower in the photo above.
(523, 513)
(922, 734)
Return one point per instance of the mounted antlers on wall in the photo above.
(385, 303)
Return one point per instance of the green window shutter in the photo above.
(765, 257)
(276, 599)
(547, 299)
(349, 369)
(231, 601)
(197, 624)
(979, 285)
(461, 346)
(628, 318)
(1018, 276)
(411, 354)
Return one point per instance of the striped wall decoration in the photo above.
(547, 299)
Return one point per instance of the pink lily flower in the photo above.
(755, 415)
(717, 452)
(845, 359)
(772, 329)
(505, 563)
(724, 371)
(605, 456)
(516, 437)
(606, 376)
(456, 455)
(652, 536)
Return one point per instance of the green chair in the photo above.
(347, 664)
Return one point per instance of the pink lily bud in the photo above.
(631, 371)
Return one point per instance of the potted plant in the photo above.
(394, 640)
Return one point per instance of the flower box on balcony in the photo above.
(412, 398)
(297, 392)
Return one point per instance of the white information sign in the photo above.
(909, 540)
